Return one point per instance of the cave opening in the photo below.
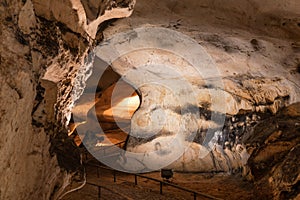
(101, 118)
(115, 107)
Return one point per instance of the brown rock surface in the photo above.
(274, 161)
(35, 37)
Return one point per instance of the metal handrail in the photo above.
(195, 193)
(101, 186)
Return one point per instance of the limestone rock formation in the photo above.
(274, 160)
(42, 44)
(83, 17)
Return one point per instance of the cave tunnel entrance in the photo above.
(101, 118)
(115, 107)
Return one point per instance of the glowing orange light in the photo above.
(124, 109)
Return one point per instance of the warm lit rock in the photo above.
(77, 15)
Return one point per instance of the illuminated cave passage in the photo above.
(114, 105)
(115, 119)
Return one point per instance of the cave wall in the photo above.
(274, 161)
(43, 43)
(27, 169)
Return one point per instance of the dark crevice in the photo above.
(143, 139)
(38, 98)
(292, 193)
(48, 37)
(22, 39)
(66, 151)
(298, 68)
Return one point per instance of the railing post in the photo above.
(135, 179)
(160, 188)
(195, 195)
(99, 192)
(115, 178)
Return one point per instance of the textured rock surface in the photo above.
(254, 46)
(274, 161)
(83, 17)
(27, 169)
(35, 37)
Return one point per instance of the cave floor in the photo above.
(219, 185)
